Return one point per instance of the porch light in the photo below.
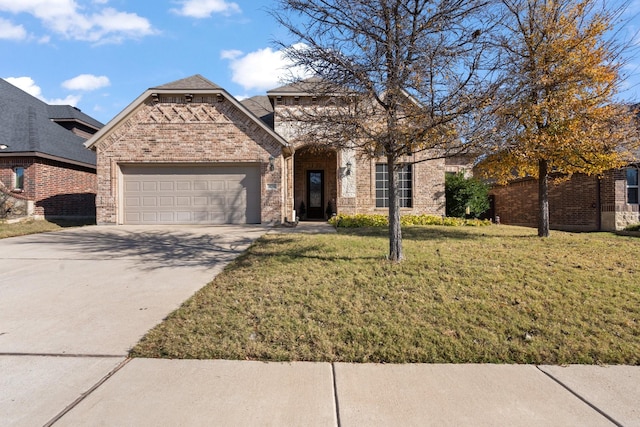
(188, 97)
(348, 171)
(272, 163)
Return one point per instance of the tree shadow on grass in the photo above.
(414, 233)
(291, 248)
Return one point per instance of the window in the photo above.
(632, 185)
(18, 178)
(405, 187)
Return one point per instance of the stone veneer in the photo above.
(356, 192)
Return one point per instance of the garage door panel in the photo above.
(167, 185)
(132, 186)
(190, 194)
(150, 201)
(167, 201)
(149, 186)
(132, 201)
(183, 185)
(150, 217)
(183, 201)
(132, 218)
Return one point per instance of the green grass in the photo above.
(478, 295)
(34, 226)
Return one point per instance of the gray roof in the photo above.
(67, 112)
(302, 87)
(195, 82)
(261, 107)
(26, 126)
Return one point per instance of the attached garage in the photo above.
(187, 152)
(191, 194)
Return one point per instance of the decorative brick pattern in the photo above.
(174, 132)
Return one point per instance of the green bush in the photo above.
(465, 197)
(377, 220)
(632, 227)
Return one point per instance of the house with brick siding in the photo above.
(187, 152)
(43, 162)
(581, 203)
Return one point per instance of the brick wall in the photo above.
(64, 190)
(428, 176)
(207, 130)
(428, 186)
(58, 189)
(573, 203)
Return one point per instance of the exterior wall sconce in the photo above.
(155, 98)
(348, 171)
(188, 97)
(272, 163)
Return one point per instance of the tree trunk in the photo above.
(395, 231)
(543, 199)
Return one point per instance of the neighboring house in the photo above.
(43, 160)
(581, 203)
(189, 152)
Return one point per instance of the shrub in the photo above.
(465, 196)
(632, 227)
(377, 220)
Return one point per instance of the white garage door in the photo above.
(191, 194)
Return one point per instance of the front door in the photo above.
(315, 194)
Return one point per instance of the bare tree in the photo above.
(403, 77)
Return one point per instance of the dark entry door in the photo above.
(315, 194)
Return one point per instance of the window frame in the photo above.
(405, 185)
(18, 178)
(632, 187)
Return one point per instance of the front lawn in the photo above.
(493, 294)
(34, 226)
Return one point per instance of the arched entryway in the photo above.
(315, 183)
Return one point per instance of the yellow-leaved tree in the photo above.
(558, 114)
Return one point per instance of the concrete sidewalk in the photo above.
(156, 392)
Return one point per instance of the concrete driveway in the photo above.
(72, 303)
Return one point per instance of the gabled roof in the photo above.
(261, 107)
(193, 85)
(27, 128)
(195, 82)
(300, 88)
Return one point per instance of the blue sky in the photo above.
(99, 55)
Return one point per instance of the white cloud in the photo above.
(28, 85)
(262, 69)
(64, 17)
(8, 31)
(204, 8)
(230, 54)
(86, 82)
(72, 100)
